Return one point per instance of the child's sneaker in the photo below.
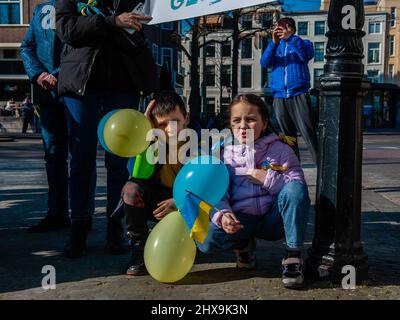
(292, 274)
(245, 257)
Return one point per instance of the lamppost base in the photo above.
(329, 266)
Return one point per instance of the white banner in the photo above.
(172, 10)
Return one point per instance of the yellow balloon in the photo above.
(169, 252)
(125, 133)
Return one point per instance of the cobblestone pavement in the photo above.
(99, 276)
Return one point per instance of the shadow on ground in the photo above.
(23, 255)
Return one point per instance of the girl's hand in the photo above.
(230, 224)
(257, 176)
(164, 207)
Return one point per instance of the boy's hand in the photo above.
(148, 111)
(132, 195)
(283, 33)
(257, 176)
(230, 224)
(275, 37)
(164, 207)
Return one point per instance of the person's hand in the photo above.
(163, 208)
(230, 224)
(148, 112)
(132, 195)
(257, 176)
(47, 81)
(275, 36)
(282, 33)
(131, 20)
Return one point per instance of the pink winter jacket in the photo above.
(246, 197)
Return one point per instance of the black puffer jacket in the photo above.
(97, 53)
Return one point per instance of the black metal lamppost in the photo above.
(337, 240)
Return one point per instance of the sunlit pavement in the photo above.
(99, 275)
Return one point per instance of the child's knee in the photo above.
(296, 193)
(129, 193)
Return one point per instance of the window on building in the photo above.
(211, 105)
(225, 104)
(392, 47)
(226, 49)
(210, 76)
(247, 48)
(373, 75)
(374, 28)
(10, 12)
(267, 19)
(210, 50)
(166, 58)
(317, 74)
(391, 72)
(319, 51)
(181, 69)
(319, 28)
(155, 53)
(247, 21)
(226, 75)
(246, 76)
(10, 54)
(393, 16)
(374, 52)
(302, 28)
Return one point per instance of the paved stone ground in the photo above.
(98, 275)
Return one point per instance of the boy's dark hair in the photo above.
(289, 21)
(166, 102)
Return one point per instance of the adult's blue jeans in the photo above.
(83, 116)
(55, 142)
(287, 219)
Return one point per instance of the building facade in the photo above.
(14, 21)
(392, 10)
(217, 71)
(312, 25)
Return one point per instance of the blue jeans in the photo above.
(83, 115)
(287, 218)
(55, 142)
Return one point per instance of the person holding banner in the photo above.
(288, 56)
(106, 65)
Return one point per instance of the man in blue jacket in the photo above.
(288, 56)
(41, 52)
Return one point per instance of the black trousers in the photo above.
(294, 115)
(137, 218)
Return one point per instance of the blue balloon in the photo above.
(100, 129)
(205, 176)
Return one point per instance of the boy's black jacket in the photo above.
(85, 37)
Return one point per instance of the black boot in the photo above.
(50, 223)
(115, 240)
(76, 246)
(136, 266)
